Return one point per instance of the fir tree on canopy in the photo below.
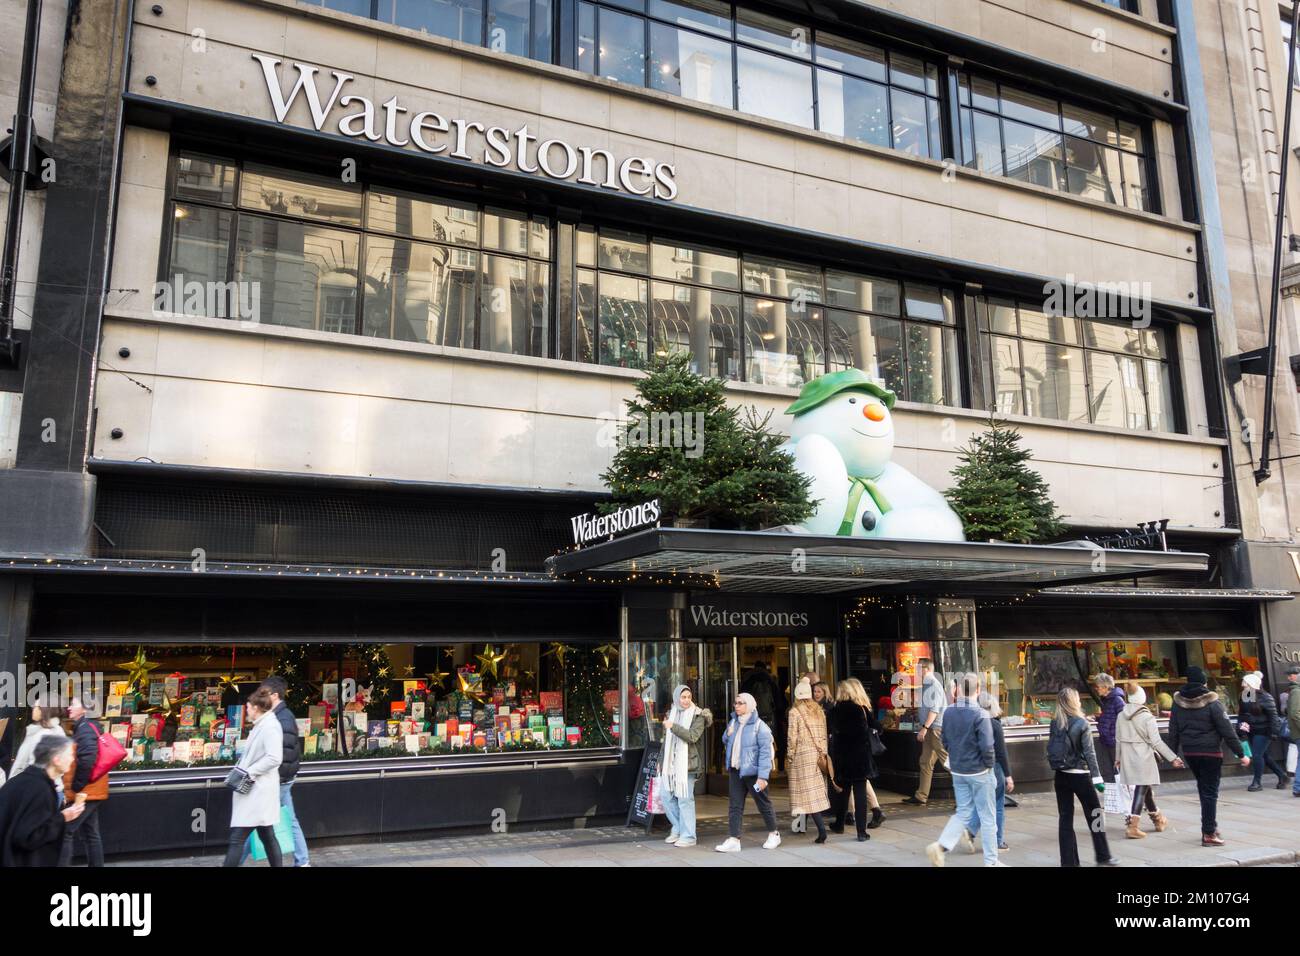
(997, 495)
(738, 479)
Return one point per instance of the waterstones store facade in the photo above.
(380, 273)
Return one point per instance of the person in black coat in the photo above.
(31, 822)
(1258, 722)
(851, 726)
(1199, 728)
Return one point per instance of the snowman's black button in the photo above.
(868, 521)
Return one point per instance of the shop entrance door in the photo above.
(719, 692)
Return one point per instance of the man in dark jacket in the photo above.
(85, 734)
(1199, 727)
(1112, 705)
(277, 688)
(31, 823)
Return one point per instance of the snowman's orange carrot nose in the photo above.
(875, 412)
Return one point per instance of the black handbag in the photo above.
(239, 781)
(877, 745)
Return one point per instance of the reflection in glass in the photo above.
(687, 64)
(199, 253)
(622, 47)
(1033, 155)
(508, 26)
(854, 108)
(774, 87)
(926, 302)
(871, 343)
(773, 33)
(621, 314)
(1054, 382)
(1006, 376)
(868, 293)
(783, 344)
(514, 306)
(1036, 324)
(418, 292)
(1030, 108)
(1116, 397)
(932, 366)
(694, 264)
(710, 15)
(910, 124)
(422, 218)
(786, 279)
(297, 194)
(625, 251)
(308, 273)
(586, 38)
(860, 59)
(1092, 170)
(204, 178)
(454, 19)
(1160, 395)
(701, 322)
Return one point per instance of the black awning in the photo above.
(771, 561)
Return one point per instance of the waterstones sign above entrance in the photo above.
(589, 527)
(405, 125)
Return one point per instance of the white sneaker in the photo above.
(935, 852)
(672, 838)
(685, 841)
(995, 863)
(729, 845)
(773, 841)
(968, 841)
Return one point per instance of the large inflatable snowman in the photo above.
(843, 439)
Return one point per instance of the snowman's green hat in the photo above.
(827, 386)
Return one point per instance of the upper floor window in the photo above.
(1076, 370)
(756, 318)
(781, 69)
(1012, 132)
(1286, 49)
(312, 253)
(1130, 5)
(521, 27)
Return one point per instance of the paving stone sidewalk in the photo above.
(1261, 829)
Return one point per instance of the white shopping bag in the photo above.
(1119, 798)
(1291, 758)
(656, 802)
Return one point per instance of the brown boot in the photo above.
(1211, 839)
(1131, 829)
(1160, 821)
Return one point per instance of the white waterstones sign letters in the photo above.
(590, 527)
(395, 124)
(706, 615)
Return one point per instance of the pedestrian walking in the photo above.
(808, 754)
(1078, 777)
(259, 808)
(681, 763)
(822, 697)
(290, 761)
(1137, 741)
(934, 700)
(1001, 765)
(1258, 721)
(852, 726)
(77, 782)
(747, 746)
(968, 739)
(1293, 717)
(1199, 729)
(32, 817)
(1113, 702)
(45, 722)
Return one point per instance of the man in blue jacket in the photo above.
(968, 738)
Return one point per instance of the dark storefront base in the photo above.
(190, 811)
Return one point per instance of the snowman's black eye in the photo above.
(853, 401)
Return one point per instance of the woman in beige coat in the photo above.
(807, 742)
(1137, 741)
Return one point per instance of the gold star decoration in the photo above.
(228, 681)
(407, 670)
(558, 651)
(166, 708)
(138, 669)
(71, 656)
(383, 671)
(436, 677)
(490, 659)
(606, 651)
(467, 690)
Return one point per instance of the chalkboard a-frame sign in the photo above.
(638, 812)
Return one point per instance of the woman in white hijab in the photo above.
(681, 762)
(747, 745)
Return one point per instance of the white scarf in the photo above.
(737, 742)
(674, 766)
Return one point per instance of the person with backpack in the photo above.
(681, 763)
(1137, 740)
(80, 779)
(1258, 722)
(1199, 729)
(747, 749)
(968, 739)
(807, 754)
(1077, 777)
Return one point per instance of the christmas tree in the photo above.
(998, 496)
(684, 445)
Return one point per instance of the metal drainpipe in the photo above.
(19, 167)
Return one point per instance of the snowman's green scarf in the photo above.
(856, 487)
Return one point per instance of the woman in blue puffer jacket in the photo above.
(747, 746)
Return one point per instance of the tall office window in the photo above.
(769, 66)
(1012, 132)
(361, 260)
(1077, 370)
(521, 27)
